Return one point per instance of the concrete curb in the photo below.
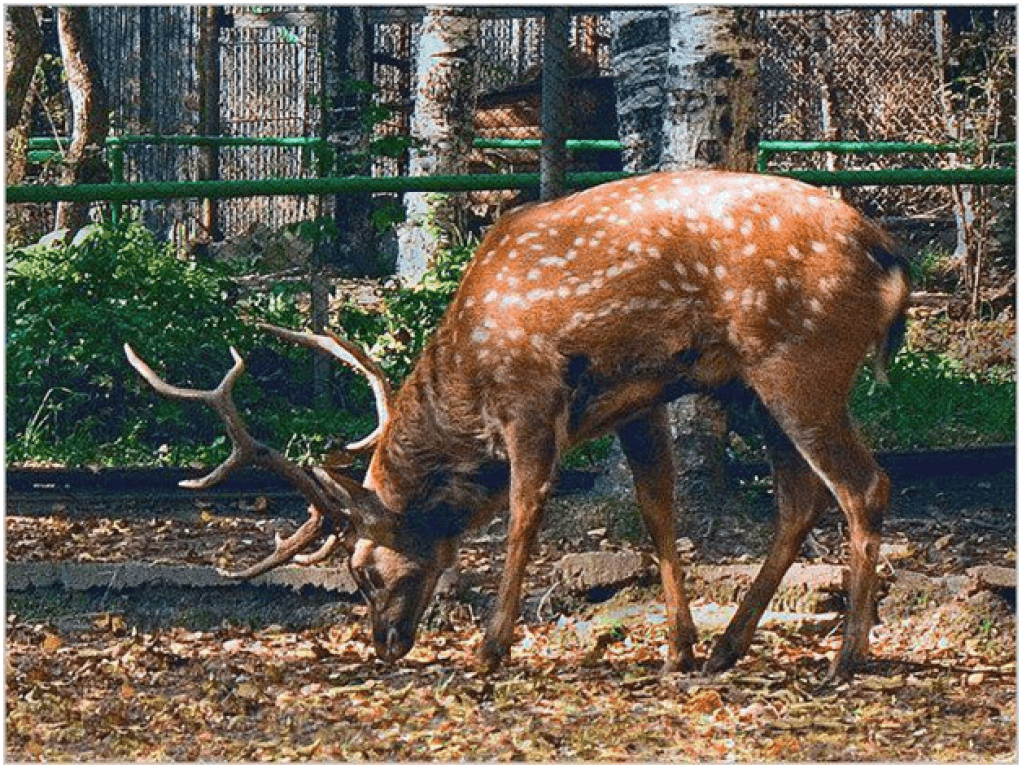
(81, 577)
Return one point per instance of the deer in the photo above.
(584, 316)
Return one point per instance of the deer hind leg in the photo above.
(827, 440)
(647, 446)
(801, 497)
(533, 458)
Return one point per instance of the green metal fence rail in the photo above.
(42, 149)
(766, 150)
(347, 185)
(119, 191)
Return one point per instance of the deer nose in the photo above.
(391, 645)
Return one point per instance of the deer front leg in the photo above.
(533, 458)
(646, 442)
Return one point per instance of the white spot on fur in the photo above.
(491, 296)
(749, 249)
(775, 223)
(479, 336)
(794, 252)
(718, 205)
(818, 247)
(720, 272)
(702, 269)
(512, 299)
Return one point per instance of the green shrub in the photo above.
(71, 395)
(933, 401)
(396, 336)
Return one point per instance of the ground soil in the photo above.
(271, 675)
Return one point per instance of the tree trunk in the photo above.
(687, 90)
(91, 123)
(209, 114)
(442, 131)
(639, 45)
(348, 70)
(712, 89)
(24, 43)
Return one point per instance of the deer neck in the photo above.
(434, 463)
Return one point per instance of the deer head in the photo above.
(395, 585)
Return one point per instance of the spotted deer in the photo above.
(586, 315)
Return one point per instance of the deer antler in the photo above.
(247, 450)
(352, 356)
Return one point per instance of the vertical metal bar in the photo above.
(115, 155)
(553, 155)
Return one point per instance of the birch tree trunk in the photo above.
(687, 87)
(710, 117)
(441, 128)
(90, 121)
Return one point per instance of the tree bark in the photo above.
(24, 43)
(91, 122)
(639, 45)
(710, 117)
(209, 113)
(687, 89)
(442, 131)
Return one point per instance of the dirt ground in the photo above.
(281, 676)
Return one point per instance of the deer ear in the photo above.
(369, 515)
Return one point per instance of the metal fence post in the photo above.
(553, 155)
